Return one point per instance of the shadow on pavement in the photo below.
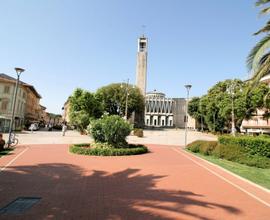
(69, 192)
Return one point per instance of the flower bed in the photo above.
(106, 150)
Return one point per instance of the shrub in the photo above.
(103, 150)
(194, 146)
(252, 145)
(238, 154)
(138, 132)
(203, 147)
(230, 152)
(110, 129)
(2, 142)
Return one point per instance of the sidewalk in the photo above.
(165, 137)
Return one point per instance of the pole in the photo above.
(13, 110)
(201, 116)
(233, 120)
(126, 107)
(186, 113)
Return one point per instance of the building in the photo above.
(166, 112)
(27, 103)
(65, 114)
(159, 110)
(33, 109)
(258, 124)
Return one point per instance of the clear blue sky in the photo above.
(68, 44)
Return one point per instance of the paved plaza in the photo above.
(167, 183)
(166, 136)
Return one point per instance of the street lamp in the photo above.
(18, 71)
(231, 92)
(201, 115)
(127, 94)
(188, 87)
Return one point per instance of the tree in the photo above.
(258, 60)
(84, 106)
(216, 106)
(113, 98)
(195, 110)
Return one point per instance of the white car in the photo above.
(33, 127)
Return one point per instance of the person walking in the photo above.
(64, 129)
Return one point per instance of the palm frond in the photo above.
(262, 2)
(265, 29)
(257, 53)
(262, 71)
(265, 11)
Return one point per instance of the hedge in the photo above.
(107, 151)
(252, 145)
(230, 152)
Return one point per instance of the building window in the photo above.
(4, 106)
(6, 89)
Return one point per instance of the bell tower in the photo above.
(141, 69)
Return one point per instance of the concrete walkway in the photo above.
(167, 137)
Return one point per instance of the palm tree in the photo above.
(258, 60)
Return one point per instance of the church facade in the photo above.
(160, 111)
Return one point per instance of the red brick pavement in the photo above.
(166, 184)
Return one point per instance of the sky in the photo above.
(66, 44)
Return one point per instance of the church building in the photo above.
(159, 110)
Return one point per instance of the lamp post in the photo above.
(127, 94)
(18, 71)
(231, 92)
(188, 87)
(201, 115)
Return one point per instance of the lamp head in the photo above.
(188, 87)
(19, 70)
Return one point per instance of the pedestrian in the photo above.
(64, 129)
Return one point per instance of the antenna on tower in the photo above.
(143, 29)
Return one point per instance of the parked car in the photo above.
(33, 127)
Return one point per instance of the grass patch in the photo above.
(104, 150)
(254, 174)
(5, 152)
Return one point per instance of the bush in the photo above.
(252, 145)
(105, 150)
(2, 142)
(238, 154)
(110, 129)
(203, 147)
(230, 152)
(138, 132)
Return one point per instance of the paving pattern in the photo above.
(165, 184)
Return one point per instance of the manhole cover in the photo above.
(19, 205)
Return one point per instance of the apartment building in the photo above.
(258, 124)
(27, 103)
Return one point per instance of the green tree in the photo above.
(113, 98)
(216, 106)
(195, 110)
(83, 106)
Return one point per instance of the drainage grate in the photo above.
(19, 205)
